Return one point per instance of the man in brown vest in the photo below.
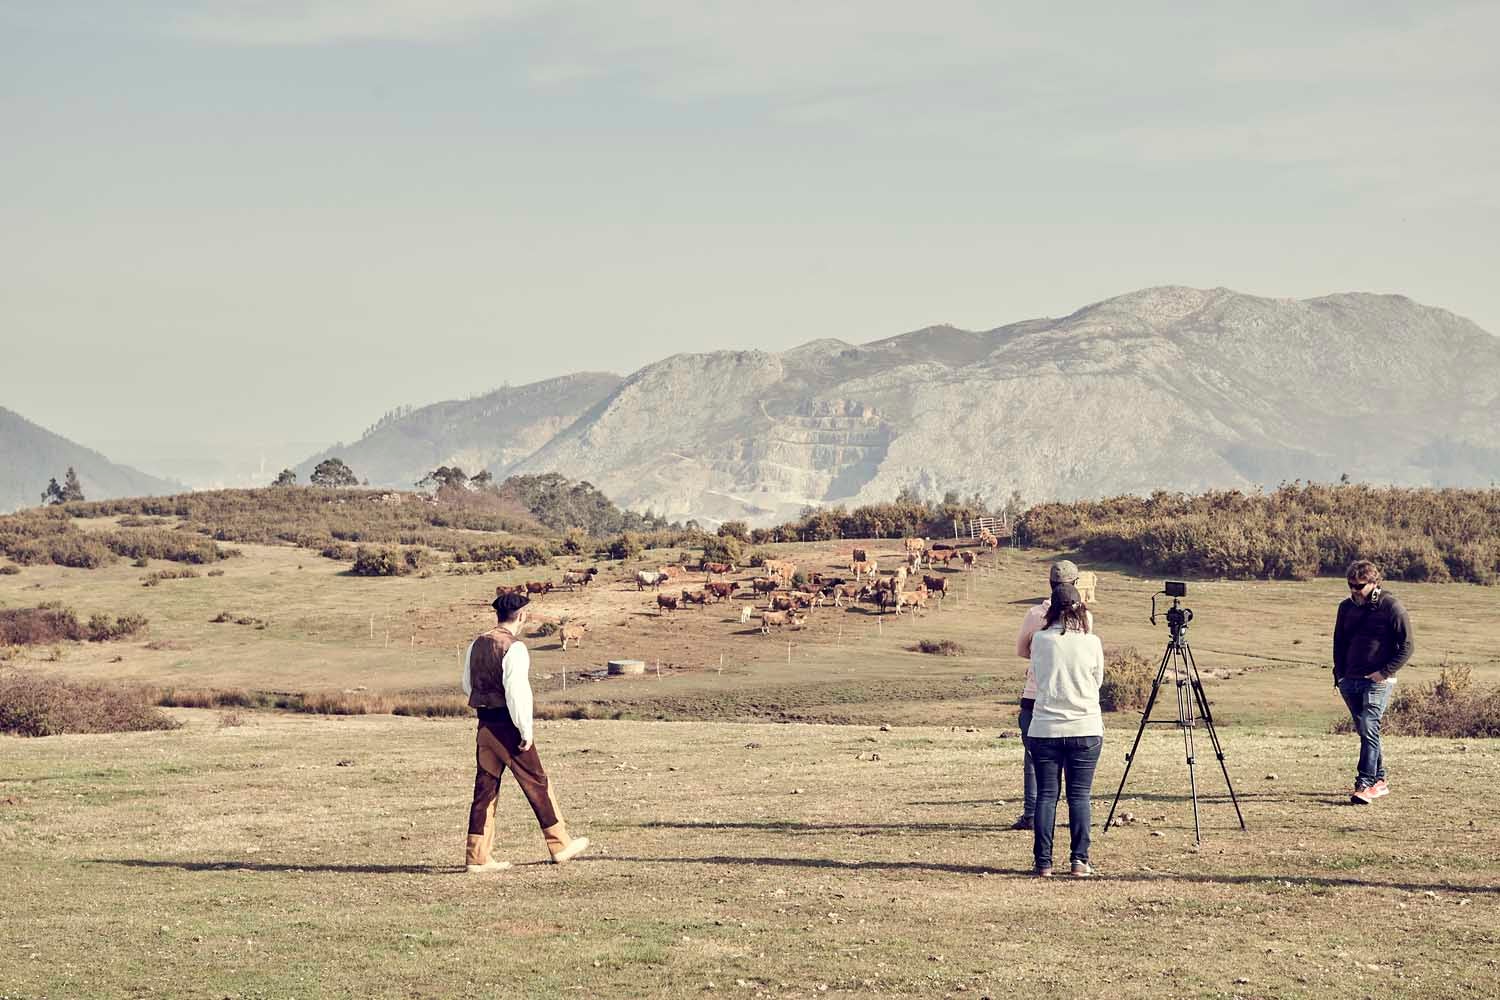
(495, 679)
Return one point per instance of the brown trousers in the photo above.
(498, 746)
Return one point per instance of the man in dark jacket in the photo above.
(1371, 641)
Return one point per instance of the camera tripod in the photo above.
(1190, 699)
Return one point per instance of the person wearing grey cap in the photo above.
(1064, 571)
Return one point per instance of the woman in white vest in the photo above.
(1067, 728)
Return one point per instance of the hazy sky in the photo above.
(262, 224)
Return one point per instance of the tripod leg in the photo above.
(1130, 757)
(1186, 721)
(1213, 733)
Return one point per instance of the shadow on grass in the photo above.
(788, 826)
(1297, 881)
(263, 866)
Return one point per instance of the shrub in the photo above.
(735, 529)
(757, 559)
(152, 579)
(338, 551)
(9, 569)
(724, 549)
(102, 628)
(369, 561)
(31, 705)
(627, 546)
(39, 626)
(1452, 706)
(1127, 681)
(938, 647)
(545, 629)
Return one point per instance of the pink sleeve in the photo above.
(1030, 626)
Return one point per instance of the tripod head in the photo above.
(1177, 616)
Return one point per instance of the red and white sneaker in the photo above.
(1379, 789)
(1362, 796)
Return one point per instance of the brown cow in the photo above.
(535, 587)
(968, 558)
(782, 602)
(781, 569)
(779, 618)
(860, 556)
(913, 599)
(698, 597)
(571, 580)
(935, 585)
(915, 545)
(665, 602)
(572, 633)
(719, 591)
(763, 585)
(670, 573)
(718, 568)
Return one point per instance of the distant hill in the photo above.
(493, 431)
(30, 455)
(1166, 388)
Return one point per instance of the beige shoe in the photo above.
(489, 866)
(575, 847)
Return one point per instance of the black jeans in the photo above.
(1028, 766)
(1074, 758)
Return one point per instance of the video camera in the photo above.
(1177, 616)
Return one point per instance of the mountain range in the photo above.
(30, 455)
(1165, 388)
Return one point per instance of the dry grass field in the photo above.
(268, 855)
(1264, 647)
(294, 856)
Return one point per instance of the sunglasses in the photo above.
(1358, 586)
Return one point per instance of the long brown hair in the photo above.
(1074, 616)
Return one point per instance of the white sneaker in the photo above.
(575, 847)
(489, 866)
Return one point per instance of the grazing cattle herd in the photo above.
(783, 596)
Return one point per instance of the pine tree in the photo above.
(72, 489)
(333, 472)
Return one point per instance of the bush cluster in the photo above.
(1127, 681)
(103, 628)
(32, 705)
(152, 579)
(370, 560)
(906, 516)
(1452, 706)
(39, 626)
(1295, 532)
(938, 647)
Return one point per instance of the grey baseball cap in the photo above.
(1063, 571)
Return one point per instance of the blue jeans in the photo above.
(1073, 758)
(1366, 701)
(1028, 767)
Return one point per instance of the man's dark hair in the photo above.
(1362, 571)
(507, 606)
